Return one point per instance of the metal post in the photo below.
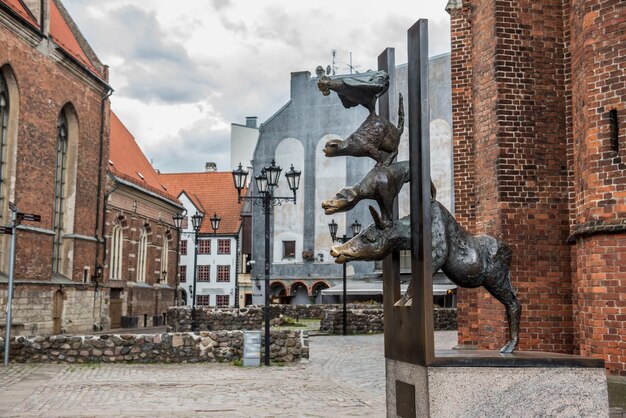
(195, 268)
(266, 210)
(7, 335)
(421, 235)
(345, 294)
(177, 273)
(237, 268)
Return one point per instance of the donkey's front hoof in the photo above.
(509, 347)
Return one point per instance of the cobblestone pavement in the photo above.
(345, 377)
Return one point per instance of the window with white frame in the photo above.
(142, 252)
(289, 249)
(182, 274)
(60, 202)
(9, 103)
(165, 249)
(204, 273)
(223, 273)
(222, 301)
(223, 246)
(4, 128)
(115, 257)
(204, 246)
(183, 247)
(203, 300)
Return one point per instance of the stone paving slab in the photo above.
(344, 378)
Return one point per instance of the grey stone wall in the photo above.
(313, 311)
(218, 346)
(362, 318)
(358, 321)
(208, 319)
(82, 308)
(364, 321)
(444, 319)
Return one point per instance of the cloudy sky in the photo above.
(183, 71)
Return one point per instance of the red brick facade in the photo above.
(44, 80)
(137, 201)
(539, 90)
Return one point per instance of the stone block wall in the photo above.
(218, 346)
(32, 309)
(358, 321)
(445, 319)
(369, 320)
(208, 319)
(312, 311)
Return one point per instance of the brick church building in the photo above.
(54, 112)
(539, 110)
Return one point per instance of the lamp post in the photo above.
(178, 224)
(356, 229)
(266, 183)
(196, 222)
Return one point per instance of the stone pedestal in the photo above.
(488, 384)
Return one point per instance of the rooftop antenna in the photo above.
(352, 67)
(334, 67)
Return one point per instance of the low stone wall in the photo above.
(209, 319)
(444, 319)
(313, 311)
(218, 346)
(248, 318)
(358, 321)
(364, 321)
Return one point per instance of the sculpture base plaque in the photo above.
(486, 383)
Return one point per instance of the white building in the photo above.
(217, 267)
(243, 140)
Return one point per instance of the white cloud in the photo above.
(183, 71)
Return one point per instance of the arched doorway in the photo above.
(317, 292)
(300, 294)
(57, 312)
(278, 293)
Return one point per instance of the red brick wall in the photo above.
(463, 140)
(45, 87)
(600, 299)
(598, 73)
(137, 210)
(520, 164)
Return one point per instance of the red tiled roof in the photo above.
(213, 191)
(21, 10)
(61, 33)
(129, 162)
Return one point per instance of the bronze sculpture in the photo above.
(375, 136)
(381, 184)
(353, 92)
(468, 260)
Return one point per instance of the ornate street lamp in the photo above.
(178, 224)
(196, 222)
(266, 183)
(215, 223)
(356, 230)
(239, 177)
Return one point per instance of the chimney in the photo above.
(45, 17)
(210, 167)
(251, 121)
